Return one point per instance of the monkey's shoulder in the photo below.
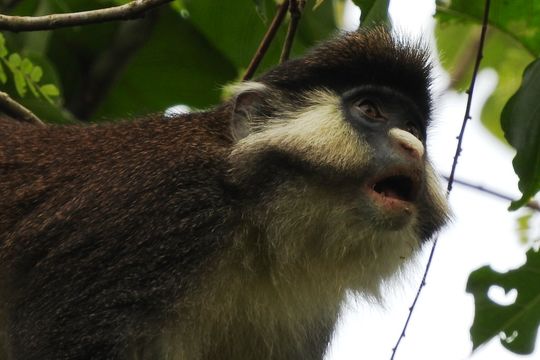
(123, 172)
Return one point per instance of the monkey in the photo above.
(230, 233)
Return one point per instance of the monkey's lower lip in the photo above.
(397, 189)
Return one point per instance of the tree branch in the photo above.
(17, 111)
(466, 118)
(267, 40)
(531, 204)
(296, 7)
(131, 10)
(469, 92)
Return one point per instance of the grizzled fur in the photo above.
(173, 238)
(102, 228)
(371, 57)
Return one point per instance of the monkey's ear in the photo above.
(247, 100)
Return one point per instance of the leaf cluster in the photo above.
(25, 74)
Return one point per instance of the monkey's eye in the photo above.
(413, 129)
(368, 108)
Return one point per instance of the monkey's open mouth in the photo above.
(396, 187)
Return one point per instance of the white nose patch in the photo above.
(408, 141)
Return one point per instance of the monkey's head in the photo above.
(330, 154)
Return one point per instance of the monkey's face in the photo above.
(341, 177)
(337, 184)
(363, 148)
(392, 127)
(330, 160)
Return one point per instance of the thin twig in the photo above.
(466, 118)
(295, 10)
(267, 40)
(131, 10)
(17, 111)
(531, 204)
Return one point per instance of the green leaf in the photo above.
(316, 25)
(523, 226)
(178, 4)
(26, 66)
(521, 124)
(3, 76)
(190, 74)
(373, 12)
(516, 324)
(3, 49)
(238, 40)
(47, 74)
(20, 82)
(25, 8)
(32, 87)
(36, 74)
(518, 18)
(49, 90)
(15, 60)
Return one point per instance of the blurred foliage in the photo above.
(457, 34)
(523, 226)
(161, 75)
(518, 18)
(513, 42)
(184, 53)
(237, 40)
(512, 113)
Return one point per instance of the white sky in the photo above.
(483, 233)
